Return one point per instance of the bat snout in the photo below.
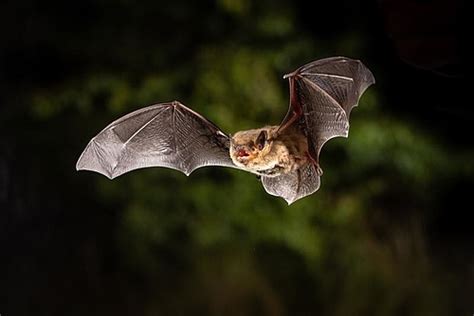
(242, 153)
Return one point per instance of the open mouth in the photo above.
(242, 153)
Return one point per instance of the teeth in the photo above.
(242, 153)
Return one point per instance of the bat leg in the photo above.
(298, 172)
(315, 162)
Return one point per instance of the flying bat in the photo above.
(285, 157)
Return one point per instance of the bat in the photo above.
(285, 157)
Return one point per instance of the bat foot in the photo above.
(315, 163)
(259, 177)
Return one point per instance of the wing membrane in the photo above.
(162, 135)
(294, 185)
(343, 78)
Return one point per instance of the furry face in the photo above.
(264, 152)
(250, 147)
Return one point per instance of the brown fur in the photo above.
(282, 153)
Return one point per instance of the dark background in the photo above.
(388, 233)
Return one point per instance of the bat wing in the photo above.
(324, 92)
(294, 185)
(161, 135)
(322, 95)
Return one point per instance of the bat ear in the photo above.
(261, 140)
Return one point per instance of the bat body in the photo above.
(285, 156)
(266, 152)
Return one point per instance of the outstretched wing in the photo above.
(161, 135)
(326, 91)
(322, 95)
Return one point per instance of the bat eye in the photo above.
(261, 140)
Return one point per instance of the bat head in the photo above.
(249, 147)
